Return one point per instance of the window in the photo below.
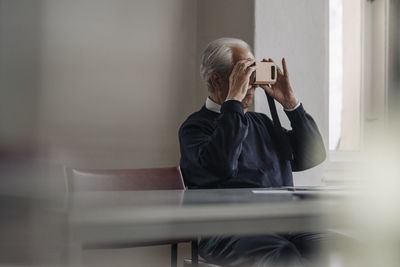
(359, 83)
(345, 75)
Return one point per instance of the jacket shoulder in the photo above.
(199, 118)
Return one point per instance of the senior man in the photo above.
(225, 146)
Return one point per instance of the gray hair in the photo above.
(217, 57)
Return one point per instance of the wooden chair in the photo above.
(78, 180)
(124, 180)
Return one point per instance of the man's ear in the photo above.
(216, 80)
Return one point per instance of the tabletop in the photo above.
(166, 214)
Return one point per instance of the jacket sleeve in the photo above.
(305, 139)
(218, 150)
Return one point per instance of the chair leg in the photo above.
(195, 253)
(174, 255)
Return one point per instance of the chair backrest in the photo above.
(119, 180)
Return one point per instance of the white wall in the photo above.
(375, 98)
(351, 112)
(298, 31)
(100, 84)
(107, 83)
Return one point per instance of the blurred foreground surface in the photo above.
(37, 217)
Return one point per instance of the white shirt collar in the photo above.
(212, 106)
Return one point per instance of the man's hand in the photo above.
(239, 80)
(281, 91)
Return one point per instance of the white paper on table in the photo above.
(271, 192)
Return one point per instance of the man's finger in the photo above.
(279, 71)
(250, 70)
(267, 88)
(284, 67)
(238, 66)
(248, 63)
(242, 65)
